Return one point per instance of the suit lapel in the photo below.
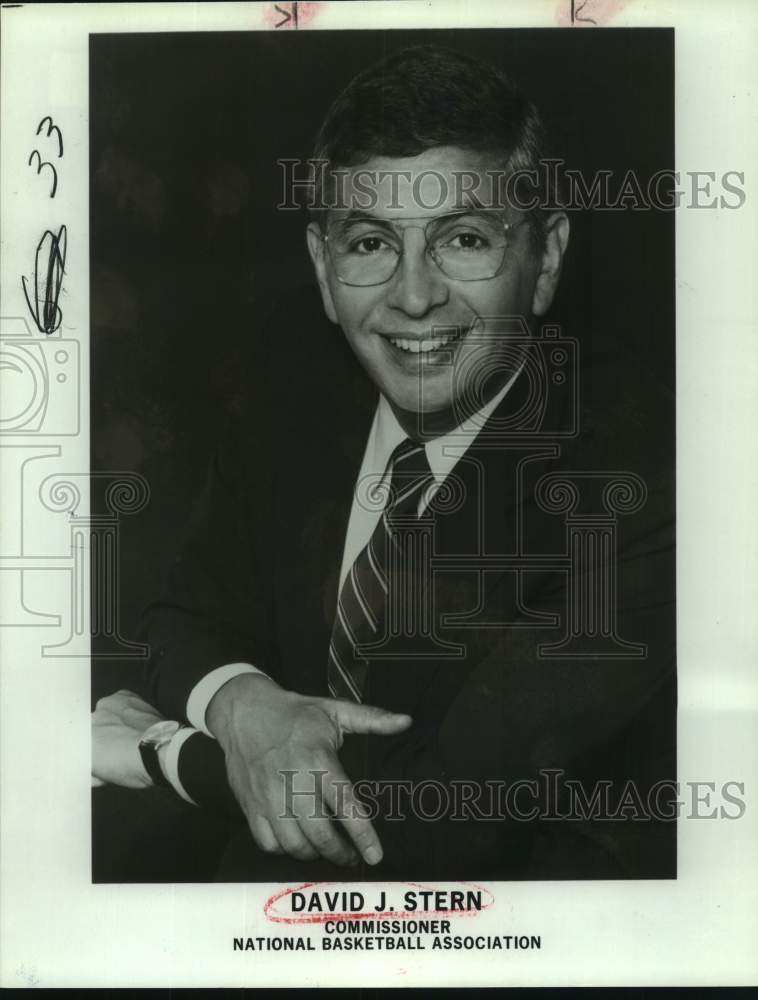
(494, 479)
(482, 514)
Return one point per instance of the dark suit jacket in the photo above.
(257, 581)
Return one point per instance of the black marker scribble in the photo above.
(44, 163)
(52, 127)
(288, 16)
(49, 268)
(576, 8)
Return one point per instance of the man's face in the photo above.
(419, 333)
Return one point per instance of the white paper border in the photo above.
(57, 928)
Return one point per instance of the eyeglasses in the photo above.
(465, 246)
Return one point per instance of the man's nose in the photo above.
(418, 285)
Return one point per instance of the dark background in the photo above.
(189, 254)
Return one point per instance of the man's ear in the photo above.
(317, 252)
(551, 262)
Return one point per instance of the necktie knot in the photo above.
(404, 450)
(410, 473)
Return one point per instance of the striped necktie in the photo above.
(381, 574)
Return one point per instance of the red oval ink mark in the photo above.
(270, 907)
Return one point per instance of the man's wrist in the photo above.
(202, 693)
(218, 715)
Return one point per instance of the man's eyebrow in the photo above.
(361, 215)
(366, 215)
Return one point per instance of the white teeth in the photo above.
(421, 346)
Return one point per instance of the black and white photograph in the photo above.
(433, 554)
(384, 511)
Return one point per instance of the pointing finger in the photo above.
(355, 718)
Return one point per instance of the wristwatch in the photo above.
(151, 741)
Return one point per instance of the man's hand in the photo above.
(118, 722)
(266, 731)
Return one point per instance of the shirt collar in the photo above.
(442, 452)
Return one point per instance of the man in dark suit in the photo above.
(426, 566)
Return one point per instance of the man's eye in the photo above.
(369, 245)
(465, 241)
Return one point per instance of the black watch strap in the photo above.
(152, 740)
(149, 754)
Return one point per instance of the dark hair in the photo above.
(429, 96)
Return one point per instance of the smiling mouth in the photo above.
(413, 345)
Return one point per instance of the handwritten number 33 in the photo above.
(47, 121)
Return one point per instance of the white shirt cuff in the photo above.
(171, 762)
(202, 693)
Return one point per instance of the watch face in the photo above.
(160, 733)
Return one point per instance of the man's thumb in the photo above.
(356, 718)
